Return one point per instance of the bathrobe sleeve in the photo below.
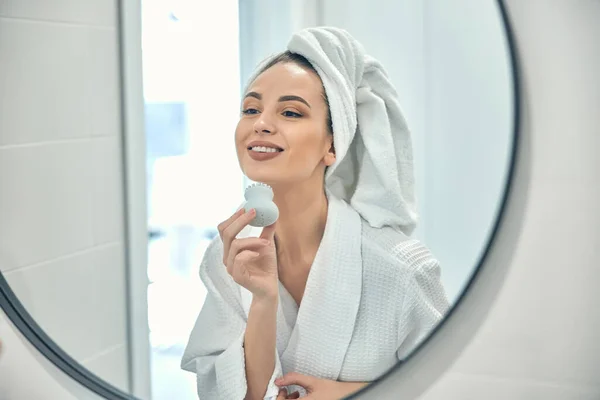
(215, 351)
(425, 304)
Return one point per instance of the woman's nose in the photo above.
(264, 126)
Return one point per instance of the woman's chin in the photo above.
(270, 179)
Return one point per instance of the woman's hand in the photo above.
(318, 389)
(283, 395)
(251, 262)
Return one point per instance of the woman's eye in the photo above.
(291, 114)
(249, 111)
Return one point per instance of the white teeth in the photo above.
(262, 149)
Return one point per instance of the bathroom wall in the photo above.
(26, 374)
(529, 328)
(540, 338)
(61, 183)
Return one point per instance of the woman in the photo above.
(335, 292)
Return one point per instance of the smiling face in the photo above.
(283, 136)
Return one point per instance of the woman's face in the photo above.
(282, 135)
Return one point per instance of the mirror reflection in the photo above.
(333, 281)
(319, 189)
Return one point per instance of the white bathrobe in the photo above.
(372, 295)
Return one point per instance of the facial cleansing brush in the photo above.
(260, 197)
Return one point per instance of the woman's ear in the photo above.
(329, 158)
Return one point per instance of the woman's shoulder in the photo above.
(391, 251)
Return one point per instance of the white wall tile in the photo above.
(61, 185)
(28, 375)
(101, 12)
(553, 325)
(102, 79)
(44, 80)
(111, 366)
(44, 202)
(79, 301)
(478, 387)
(107, 190)
(44, 62)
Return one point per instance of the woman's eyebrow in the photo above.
(281, 99)
(254, 94)
(294, 98)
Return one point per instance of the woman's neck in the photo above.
(301, 223)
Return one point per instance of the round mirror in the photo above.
(378, 136)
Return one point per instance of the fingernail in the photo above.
(265, 242)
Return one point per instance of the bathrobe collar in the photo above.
(329, 307)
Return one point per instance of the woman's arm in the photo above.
(215, 351)
(425, 305)
(260, 345)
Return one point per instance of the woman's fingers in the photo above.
(282, 394)
(268, 232)
(223, 225)
(294, 378)
(248, 243)
(233, 268)
(240, 245)
(229, 232)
